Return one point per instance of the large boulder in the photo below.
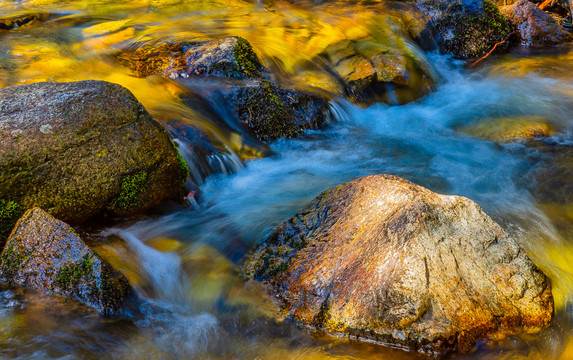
(384, 259)
(78, 149)
(468, 28)
(46, 254)
(534, 27)
(265, 109)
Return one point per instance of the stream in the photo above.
(185, 261)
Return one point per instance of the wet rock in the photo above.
(16, 21)
(82, 148)
(230, 57)
(510, 129)
(46, 254)
(560, 7)
(372, 71)
(270, 112)
(265, 109)
(384, 259)
(534, 27)
(469, 29)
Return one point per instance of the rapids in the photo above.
(185, 261)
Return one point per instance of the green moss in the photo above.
(131, 187)
(264, 111)
(475, 35)
(10, 212)
(12, 260)
(183, 168)
(68, 277)
(246, 57)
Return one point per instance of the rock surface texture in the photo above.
(46, 254)
(387, 260)
(535, 27)
(469, 28)
(77, 149)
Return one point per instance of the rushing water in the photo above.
(185, 263)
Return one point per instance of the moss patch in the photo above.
(10, 212)
(131, 187)
(265, 113)
(473, 36)
(68, 277)
(246, 57)
(11, 261)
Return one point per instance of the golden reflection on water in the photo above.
(76, 40)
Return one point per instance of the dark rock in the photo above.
(384, 259)
(78, 149)
(15, 22)
(269, 112)
(46, 254)
(469, 29)
(534, 27)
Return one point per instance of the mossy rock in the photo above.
(270, 112)
(230, 57)
(468, 29)
(46, 254)
(82, 148)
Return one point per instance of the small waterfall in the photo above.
(162, 269)
(217, 162)
(225, 163)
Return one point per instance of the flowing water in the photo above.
(184, 262)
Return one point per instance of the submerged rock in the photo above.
(534, 27)
(18, 21)
(387, 260)
(510, 129)
(372, 71)
(469, 29)
(46, 254)
(77, 149)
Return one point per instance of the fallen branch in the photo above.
(491, 51)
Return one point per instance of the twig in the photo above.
(489, 53)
